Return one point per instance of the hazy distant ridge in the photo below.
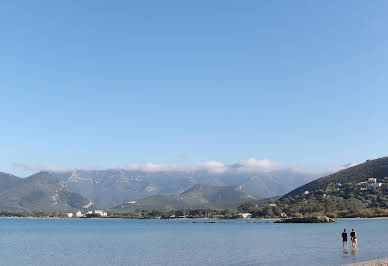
(198, 196)
(109, 188)
(41, 191)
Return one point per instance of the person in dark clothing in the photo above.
(345, 239)
(353, 237)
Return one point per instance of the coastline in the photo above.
(376, 262)
(363, 218)
(177, 219)
(131, 218)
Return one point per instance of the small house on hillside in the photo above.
(373, 182)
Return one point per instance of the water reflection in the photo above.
(355, 251)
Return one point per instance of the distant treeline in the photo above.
(182, 213)
(343, 208)
(38, 214)
(351, 210)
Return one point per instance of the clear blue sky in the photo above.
(113, 82)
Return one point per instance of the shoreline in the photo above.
(363, 218)
(375, 262)
(129, 218)
(174, 219)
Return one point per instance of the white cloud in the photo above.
(212, 166)
(255, 165)
(341, 167)
(251, 165)
(152, 167)
(215, 167)
(38, 167)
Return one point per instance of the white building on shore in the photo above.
(98, 212)
(101, 213)
(79, 214)
(245, 215)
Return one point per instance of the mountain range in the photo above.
(358, 188)
(109, 188)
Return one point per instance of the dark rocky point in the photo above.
(317, 219)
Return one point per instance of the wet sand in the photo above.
(378, 262)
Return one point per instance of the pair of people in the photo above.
(353, 238)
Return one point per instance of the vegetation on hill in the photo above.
(198, 196)
(347, 193)
(33, 213)
(187, 213)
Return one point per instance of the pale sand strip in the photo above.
(378, 262)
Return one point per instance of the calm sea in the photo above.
(167, 242)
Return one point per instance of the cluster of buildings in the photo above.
(371, 182)
(79, 214)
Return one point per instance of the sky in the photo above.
(101, 84)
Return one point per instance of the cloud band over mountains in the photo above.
(251, 165)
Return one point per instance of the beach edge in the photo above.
(375, 262)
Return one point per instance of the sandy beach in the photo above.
(377, 262)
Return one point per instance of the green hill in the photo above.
(347, 193)
(198, 196)
(216, 196)
(41, 191)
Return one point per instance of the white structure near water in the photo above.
(79, 214)
(245, 215)
(98, 212)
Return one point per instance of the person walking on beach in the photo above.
(353, 237)
(345, 239)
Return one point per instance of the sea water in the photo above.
(184, 242)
